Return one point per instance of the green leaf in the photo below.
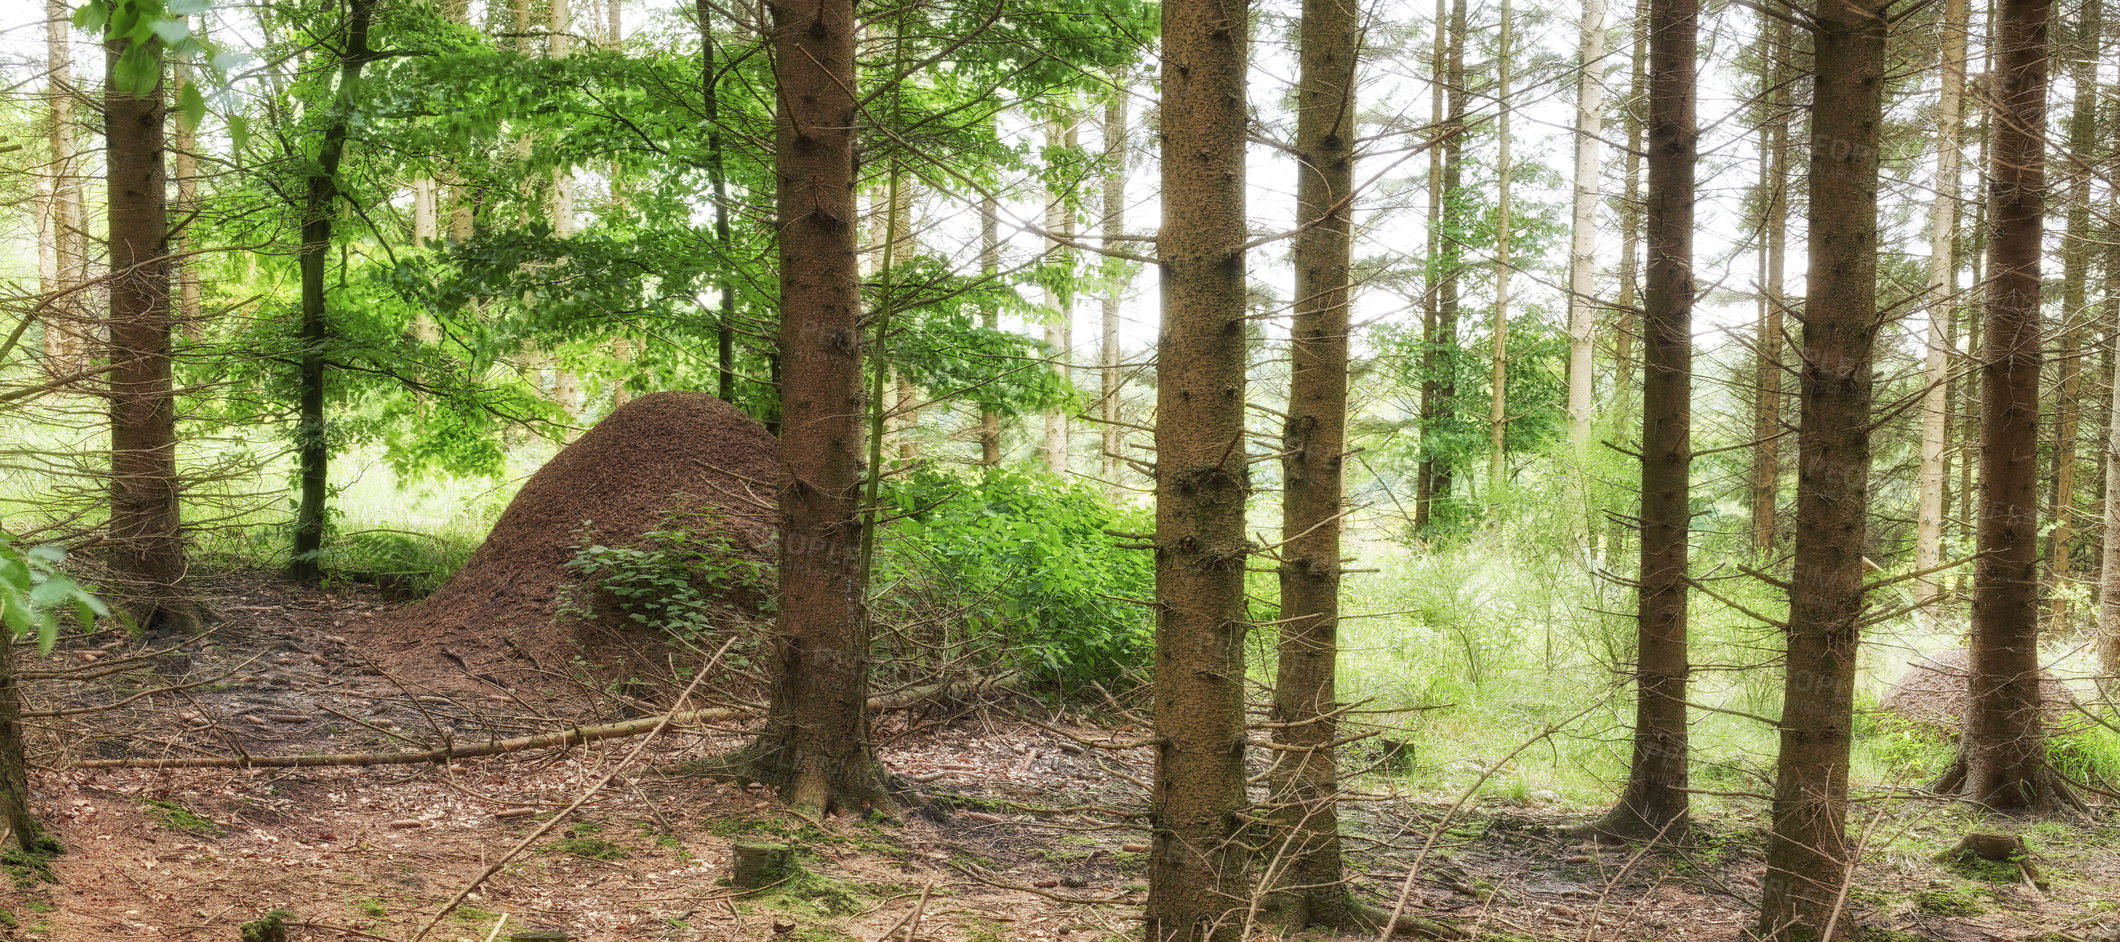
(191, 106)
(138, 71)
(187, 7)
(92, 16)
(173, 33)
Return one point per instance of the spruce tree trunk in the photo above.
(1442, 352)
(1498, 359)
(144, 549)
(990, 318)
(1655, 800)
(18, 827)
(2109, 567)
(1110, 383)
(1809, 859)
(1198, 871)
(1431, 294)
(1582, 245)
(1630, 226)
(1943, 291)
(312, 448)
(66, 328)
(718, 179)
(1774, 223)
(815, 744)
(1059, 298)
(2075, 280)
(2003, 749)
(1305, 847)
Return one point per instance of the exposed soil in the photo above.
(667, 455)
(1031, 835)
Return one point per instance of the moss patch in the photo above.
(176, 817)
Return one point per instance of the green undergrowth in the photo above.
(176, 817)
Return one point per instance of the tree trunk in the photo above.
(1655, 801)
(1198, 862)
(990, 317)
(815, 744)
(1059, 297)
(2003, 750)
(1809, 860)
(718, 179)
(2075, 279)
(1630, 231)
(1442, 352)
(1774, 225)
(312, 448)
(1305, 780)
(2109, 568)
(1110, 383)
(145, 545)
(1943, 291)
(66, 329)
(1431, 294)
(1498, 361)
(1582, 246)
(19, 833)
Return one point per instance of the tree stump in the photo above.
(757, 865)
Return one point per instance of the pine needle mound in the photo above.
(1932, 693)
(663, 456)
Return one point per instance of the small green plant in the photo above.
(33, 591)
(593, 848)
(270, 928)
(674, 579)
(176, 817)
(1951, 901)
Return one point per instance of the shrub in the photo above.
(1023, 561)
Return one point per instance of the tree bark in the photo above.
(1305, 778)
(1774, 226)
(1442, 354)
(2075, 279)
(718, 179)
(1198, 862)
(1110, 383)
(2109, 568)
(312, 447)
(1809, 860)
(145, 543)
(19, 833)
(1582, 245)
(1060, 132)
(1431, 294)
(815, 744)
(1655, 800)
(990, 317)
(1943, 291)
(66, 329)
(2003, 749)
(1630, 232)
(1498, 361)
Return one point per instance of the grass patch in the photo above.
(594, 848)
(1953, 901)
(176, 817)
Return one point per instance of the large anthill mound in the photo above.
(1932, 693)
(669, 454)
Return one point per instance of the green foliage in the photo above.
(593, 848)
(2088, 755)
(682, 578)
(176, 817)
(271, 928)
(33, 591)
(1031, 561)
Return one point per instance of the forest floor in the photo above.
(1029, 837)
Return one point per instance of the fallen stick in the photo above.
(568, 737)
